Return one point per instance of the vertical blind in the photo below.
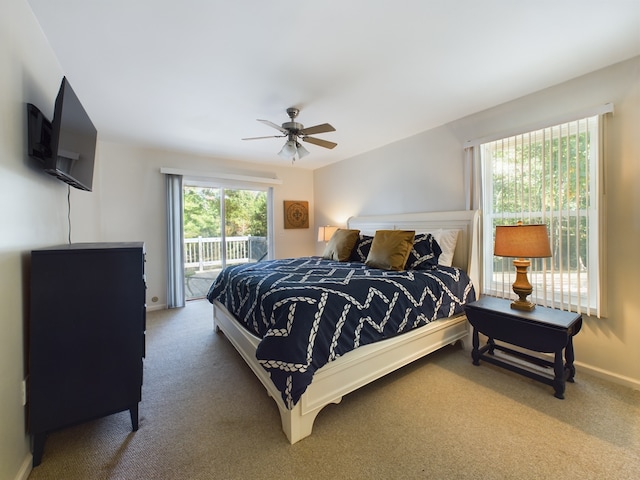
(548, 176)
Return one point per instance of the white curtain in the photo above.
(175, 242)
(472, 185)
(473, 199)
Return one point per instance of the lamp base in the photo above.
(520, 305)
(522, 287)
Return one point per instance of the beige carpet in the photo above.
(205, 416)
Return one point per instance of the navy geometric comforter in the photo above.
(309, 311)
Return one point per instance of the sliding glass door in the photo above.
(222, 226)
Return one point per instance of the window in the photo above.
(548, 176)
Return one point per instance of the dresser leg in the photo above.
(558, 381)
(134, 417)
(38, 447)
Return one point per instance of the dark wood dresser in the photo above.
(86, 335)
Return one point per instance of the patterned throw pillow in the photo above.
(424, 254)
(361, 250)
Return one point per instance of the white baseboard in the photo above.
(152, 308)
(25, 469)
(580, 366)
(607, 375)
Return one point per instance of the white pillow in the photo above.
(447, 240)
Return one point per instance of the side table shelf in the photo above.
(543, 330)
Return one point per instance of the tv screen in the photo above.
(67, 145)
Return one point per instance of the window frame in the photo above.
(483, 191)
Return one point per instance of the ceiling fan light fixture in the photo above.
(295, 131)
(288, 150)
(302, 152)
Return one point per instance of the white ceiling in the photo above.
(194, 75)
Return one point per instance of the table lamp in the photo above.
(522, 242)
(325, 233)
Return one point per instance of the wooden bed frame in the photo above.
(370, 362)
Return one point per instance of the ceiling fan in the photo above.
(295, 131)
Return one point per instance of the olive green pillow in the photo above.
(341, 245)
(390, 249)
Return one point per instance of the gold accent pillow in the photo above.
(390, 249)
(341, 245)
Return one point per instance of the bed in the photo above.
(346, 371)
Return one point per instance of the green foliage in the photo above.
(246, 212)
(539, 175)
(201, 212)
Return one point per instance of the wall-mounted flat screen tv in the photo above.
(66, 146)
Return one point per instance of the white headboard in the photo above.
(467, 253)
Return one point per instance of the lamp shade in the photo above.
(302, 152)
(325, 233)
(288, 150)
(522, 241)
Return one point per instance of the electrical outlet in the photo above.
(24, 392)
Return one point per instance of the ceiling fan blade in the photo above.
(260, 138)
(271, 124)
(323, 128)
(319, 142)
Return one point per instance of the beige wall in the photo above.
(32, 209)
(424, 173)
(421, 173)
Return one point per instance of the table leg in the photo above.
(492, 346)
(558, 381)
(475, 355)
(569, 358)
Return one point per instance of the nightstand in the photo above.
(543, 330)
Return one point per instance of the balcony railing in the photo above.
(205, 253)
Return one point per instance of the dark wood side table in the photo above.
(544, 330)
